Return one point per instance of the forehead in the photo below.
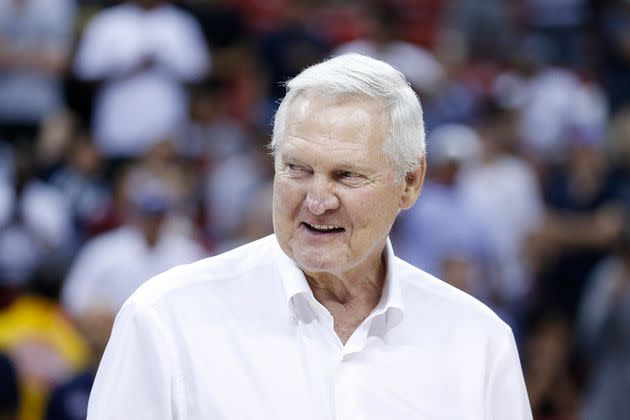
(335, 124)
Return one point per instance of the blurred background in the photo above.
(132, 139)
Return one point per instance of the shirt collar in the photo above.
(392, 290)
(295, 283)
(292, 277)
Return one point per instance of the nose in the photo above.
(320, 197)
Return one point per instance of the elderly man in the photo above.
(321, 320)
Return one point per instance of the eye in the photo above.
(295, 169)
(350, 178)
(348, 175)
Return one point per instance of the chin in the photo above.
(319, 264)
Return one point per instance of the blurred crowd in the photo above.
(133, 138)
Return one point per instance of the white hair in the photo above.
(360, 76)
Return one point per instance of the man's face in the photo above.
(335, 197)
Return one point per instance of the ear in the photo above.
(413, 185)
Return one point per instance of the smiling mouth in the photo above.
(322, 229)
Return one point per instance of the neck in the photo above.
(362, 286)
(350, 297)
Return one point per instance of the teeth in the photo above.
(324, 227)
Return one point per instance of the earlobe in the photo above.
(413, 185)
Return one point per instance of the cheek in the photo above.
(287, 197)
(373, 210)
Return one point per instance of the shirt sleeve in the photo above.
(136, 378)
(507, 396)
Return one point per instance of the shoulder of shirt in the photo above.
(228, 265)
(452, 301)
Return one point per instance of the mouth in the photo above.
(322, 229)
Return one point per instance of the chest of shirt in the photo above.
(299, 371)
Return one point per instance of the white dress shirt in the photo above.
(240, 336)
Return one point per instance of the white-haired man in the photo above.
(321, 320)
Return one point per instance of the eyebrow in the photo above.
(288, 157)
(343, 166)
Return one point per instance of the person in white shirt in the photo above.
(35, 47)
(111, 266)
(143, 51)
(320, 320)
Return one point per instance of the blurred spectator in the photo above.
(211, 134)
(255, 218)
(619, 152)
(291, 46)
(142, 51)
(9, 390)
(582, 221)
(444, 230)
(45, 346)
(111, 266)
(245, 95)
(262, 15)
(421, 20)
(228, 189)
(222, 24)
(341, 22)
(476, 24)
(604, 334)
(38, 228)
(553, 103)
(614, 26)
(6, 201)
(553, 392)
(505, 190)
(419, 66)
(459, 96)
(561, 24)
(81, 180)
(54, 136)
(35, 40)
(69, 400)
